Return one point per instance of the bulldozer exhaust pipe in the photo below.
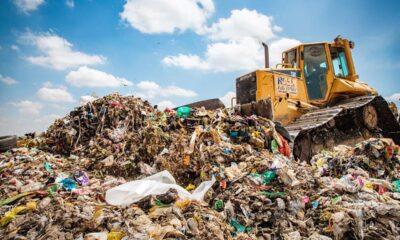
(266, 54)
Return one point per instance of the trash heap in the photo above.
(45, 196)
(129, 171)
(113, 129)
(125, 136)
(373, 156)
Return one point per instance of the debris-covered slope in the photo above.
(63, 190)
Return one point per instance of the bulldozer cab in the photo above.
(320, 64)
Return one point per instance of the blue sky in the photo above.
(56, 54)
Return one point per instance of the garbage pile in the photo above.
(130, 171)
(125, 136)
(377, 157)
(45, 196)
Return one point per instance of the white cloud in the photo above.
(54, 95)
(222, 57)
(394, 97)
(14, 47)
(28, 107)
(167, 16)
(186, 62)
(165, 104)
(86, 98)
(148, 86)
(58, 53)
(88, 77)
(226, 99)
(28, 5)
(149, 90)
(70, 3)
(235, 44)
(243, 55)
(241, 24)
(7, 80)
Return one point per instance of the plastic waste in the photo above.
(237, 226)
(348, 184)
(13, 213)
(61, 176)
(273, 194)
(315, 204)
(274, 146)
(263, 178)
(285, 148)
(336, 200)
(219, 205)
(190, 187)
(14, 198)
(52, 189)
(115, 235)
(182, 203)
(156, 184)
(81, 178)
(68, 184)
(305, 199)
(47, 166)
(116, 104)
(381, 190)
(396, 185)
(183, 112)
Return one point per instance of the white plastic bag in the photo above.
(156, 184)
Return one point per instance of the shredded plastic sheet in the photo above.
(158, 183)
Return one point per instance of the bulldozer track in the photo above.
(341, 124)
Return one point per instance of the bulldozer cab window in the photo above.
(291, 58)
(339, 62)
(315, 70)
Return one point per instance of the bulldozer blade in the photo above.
(209, 104)
(261, 108)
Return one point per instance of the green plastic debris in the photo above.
(273, 194)
(219, 205)
(47, 166)
(337, 199)
(159, 203)
(183, 112)
(265, 177)
(396, 185)
(274, 146)
(52, 189)
(14, 198)
(237, 226)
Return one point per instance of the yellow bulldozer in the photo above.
(315, 94)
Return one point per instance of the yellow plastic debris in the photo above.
(190, 187)
(115, 235)
(182, 203)
(368, 185)
(186, 160)
(13, 213)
